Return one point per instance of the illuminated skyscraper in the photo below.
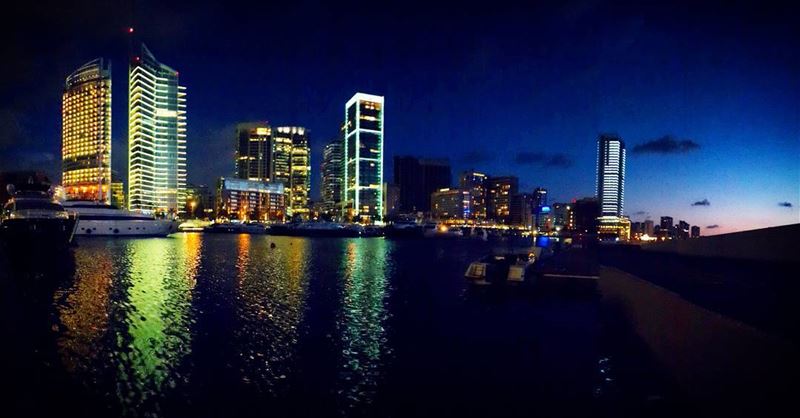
(475, 182)
(363, 152)
(611, 174)
(86, 132)
(253, 151)
(156, 136)
(292, 156)
(499, 191)
(332, 176)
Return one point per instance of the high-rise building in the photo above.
(563, 215)
(666, 223)
(293, 139)
(499, 191)
(363, 153)
(475, 183)
(649, 228)
(253, 151)
(391, 199)
(683, 229)
(543, 216)
(450, 203)
(118, 195)
(156, 136)
(86, 132)
(521, 210)
(332, 176)
(611, 175)
(539, 197)
(250, 200)
(586, 212)
(695, 231)
(418, 178)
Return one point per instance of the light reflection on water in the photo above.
(362, 319)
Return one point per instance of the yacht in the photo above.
(98, 218)
(34, 217)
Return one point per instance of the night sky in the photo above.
(706, 97)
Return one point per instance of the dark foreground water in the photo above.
(225, 325)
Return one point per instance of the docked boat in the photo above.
(35, 218)
(317, 229)
(404, 228)
(500, 268)
(235, 228)
(98, 218)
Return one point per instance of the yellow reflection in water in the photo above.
(364, 313)
(270, 305)
(84, 312)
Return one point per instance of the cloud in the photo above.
(712, 226)
(641, 212)
(703, 202)
(475, 157)
(785, 204)
(666, 145)
(557, 160)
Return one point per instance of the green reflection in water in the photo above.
(362, 318)
(271, 301)
(153, 313)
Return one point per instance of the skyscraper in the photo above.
(332, 176)
(156, 136)
(475, 183)
(299, 168)
(363, 145)
(499, 191)
(86, 132)
(610, 174)
(253, 151)
(418, 178)
(281, 158)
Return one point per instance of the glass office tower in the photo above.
(363, 153)
(156, 136)
(293, 166)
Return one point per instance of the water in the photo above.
(221, 325)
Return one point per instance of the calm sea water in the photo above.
(222, 325)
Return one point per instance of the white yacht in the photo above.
(98, 218)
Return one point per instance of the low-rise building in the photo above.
(250, 200)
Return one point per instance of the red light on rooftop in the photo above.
(130, 30)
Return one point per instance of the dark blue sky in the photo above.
(521, 89)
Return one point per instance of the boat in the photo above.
(35, 218)
(441, 231)
(101, 219)
(514, 267)
(317, 229)
(404, 228)
(235, 228)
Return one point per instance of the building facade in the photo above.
(475, 182)
(695, 231)
(292, 167)
(586, 211)
(118, 195)
(253, 151)
(611, 175)
(332, 177)
(499, 191)
(563, 216)
(521, 210)
(156, 136)
(363, 154)
(418, 178)
(250, 200)
(391, 200)
(450, 203)
(86, 132)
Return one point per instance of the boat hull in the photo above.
(42, 231)
(126, 228)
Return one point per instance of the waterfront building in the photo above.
(253, 151)
(199, 201)
(563, 216)
(499, 191)
(363, 153)
(156, 136)
(649, 228)
(611, 175)
(521, 210)
(418, 178)
(695, 231)
(281, 159)
(86, 132)
(391, 199)
(614, 228)
(475, 182)
(585, 212)
(332, 177)
(250, 200)
(448, 203)
(298, 185)
(118, 195)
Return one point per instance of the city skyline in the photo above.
(693, 137)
